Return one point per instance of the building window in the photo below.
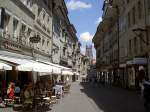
(133, 15)
(47, 43)
(39, 11)
(129, 22)
(6, 22)
(48, 19)
(43, 15)
(141, 42)
(64, 51)
(56, 25)
(22, 31)
(15, 25)
(148, 5)
(130, 47)
(29, 32)
(43, 42)
(140, 8)
(135, 45)
(63, 33)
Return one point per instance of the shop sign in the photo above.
(140, 60)
(11, 46)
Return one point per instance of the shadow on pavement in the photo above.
(110, 99)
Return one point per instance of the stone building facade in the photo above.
(122, 41)
(38, 30)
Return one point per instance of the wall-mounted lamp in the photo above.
(35, 39)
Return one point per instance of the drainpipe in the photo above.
(52, 34)
(147, 40)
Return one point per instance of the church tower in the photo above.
(89, 52)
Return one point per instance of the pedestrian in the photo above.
(146, 93)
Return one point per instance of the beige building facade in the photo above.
(122, 41)
(39, 30)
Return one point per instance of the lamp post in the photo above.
(118, 36)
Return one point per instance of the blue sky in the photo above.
(85, 15)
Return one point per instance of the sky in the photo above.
(85, 15)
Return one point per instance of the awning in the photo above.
(35, 66)
(140, 60)
(4, 66)
(67, 73)
(16, 61)
(43, 74)
(137, 61)
(56, 70)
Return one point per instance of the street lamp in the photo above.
(118, 34)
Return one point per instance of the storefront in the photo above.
(133, 70)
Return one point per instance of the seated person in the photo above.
(28, 94)
(10, 91)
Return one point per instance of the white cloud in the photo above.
(74, 4)
(86, 37)
(83, 50)
(98, 20)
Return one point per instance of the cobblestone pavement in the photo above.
(84, 98)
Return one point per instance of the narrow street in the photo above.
(84, 98)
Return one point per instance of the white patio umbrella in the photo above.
(56, 70)
(35, 66)
(67, 72)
